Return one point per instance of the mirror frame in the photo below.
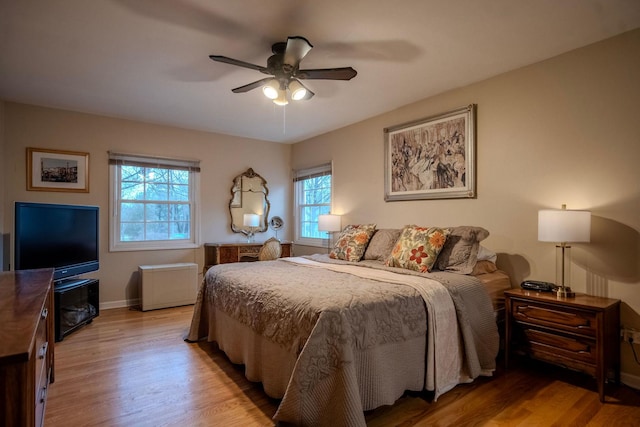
(236, 189)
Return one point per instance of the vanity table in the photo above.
(248, 197)
(224, 253)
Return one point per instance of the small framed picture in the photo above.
(57, 170)
(432, 158)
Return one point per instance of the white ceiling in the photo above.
(148, 60)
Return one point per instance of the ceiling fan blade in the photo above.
(345, 73)
(297, 48)
(247, 88)
(239, 63)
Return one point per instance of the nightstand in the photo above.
(580, 333)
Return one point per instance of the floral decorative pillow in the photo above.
(417, 248)
(352, 242)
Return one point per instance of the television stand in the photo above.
(77, 303)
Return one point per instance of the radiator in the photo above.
(168, 285)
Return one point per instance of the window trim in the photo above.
(122, 159)
(299, 175)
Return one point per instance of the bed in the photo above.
(334, 337)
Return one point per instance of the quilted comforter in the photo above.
(358, 335)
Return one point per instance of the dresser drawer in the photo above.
(561, 318)
(42, 388)
(42, 341)
(249, 253)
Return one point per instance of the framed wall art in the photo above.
(431, 158)
(57, 170)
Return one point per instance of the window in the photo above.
(312, 198)
(153, 203)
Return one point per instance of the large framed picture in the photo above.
(431, 158)
(57, 170)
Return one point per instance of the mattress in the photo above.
(496, 283)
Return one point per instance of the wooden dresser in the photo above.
(224, 253)
(580, 333)
(26, 345)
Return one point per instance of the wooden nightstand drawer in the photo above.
(564, 362)
(562, 318)
(542, 344)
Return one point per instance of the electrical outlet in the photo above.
(630, 335)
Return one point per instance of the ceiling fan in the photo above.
(284, 67)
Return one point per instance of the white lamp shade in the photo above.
(298, 91)
(271, 89)
(251, 220)
(282, 98)
(329, 222)
(562, 225)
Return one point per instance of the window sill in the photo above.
(156, 246)
(311, 243)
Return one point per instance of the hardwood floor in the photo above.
(132, 368)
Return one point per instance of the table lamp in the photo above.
(252, 221)
(329, 223)
(564, 226)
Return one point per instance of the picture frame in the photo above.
(57, 170)
(431, 158)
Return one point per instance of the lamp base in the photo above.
(565, 292)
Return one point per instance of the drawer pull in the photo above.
(43, 394)
(526, 308)
(45, 313)
(43, 350)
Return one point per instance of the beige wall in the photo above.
(561, 131)
(222, 158)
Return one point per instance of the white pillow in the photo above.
(485, 254)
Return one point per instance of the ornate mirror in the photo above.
(249, 196)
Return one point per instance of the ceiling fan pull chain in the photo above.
(284, 119)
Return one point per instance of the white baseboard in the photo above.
(119, 304)
(632, 381)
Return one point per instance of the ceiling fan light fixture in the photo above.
(282, 98)
(283, 65)
(298, 91)
(271, 90)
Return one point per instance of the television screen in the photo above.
(64, 237)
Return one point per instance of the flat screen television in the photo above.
(64, 237)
